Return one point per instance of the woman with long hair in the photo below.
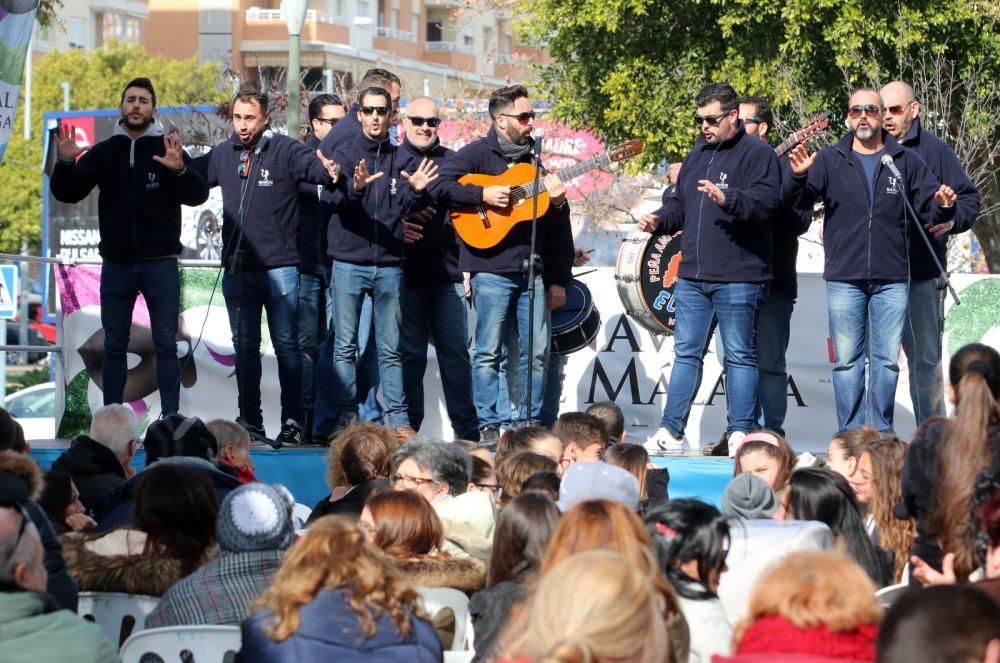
(692, 540)
(61, 501)
(359, 465)
(814, 603)
(845, 450)
(336, 597)
(653, 481)
(825, 496)
(879, 487)
(593, 607)
(523, 531)
(947, 456)
(767, 455)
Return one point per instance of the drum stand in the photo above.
(530, 269)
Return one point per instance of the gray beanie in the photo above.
(749, 497)
(256, 516)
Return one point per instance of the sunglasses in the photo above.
(523, 118)
(870, 110)
(24, 524)
(328, 120)
(750, 120)
(243, 167)
(712, 120)
(898, 110)
(368, 110)
(419, 121)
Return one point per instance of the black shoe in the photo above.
(256, 430)
(290, 435)
(489, 436)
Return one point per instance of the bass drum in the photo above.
(646, 273)
(575, 324)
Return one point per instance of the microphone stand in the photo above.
(530, 269)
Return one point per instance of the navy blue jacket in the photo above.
(866, 240)
(329, 630)
(434, 258)
(555, 236)
(946, 167)
(789, 223)
(366, 229)
(139, 204)
(314, 215)
(270, 234)
(728, 243)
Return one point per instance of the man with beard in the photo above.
(259, 172)
(921, 333)
(866, 252)
(366, 243)
(500, 274)
(143, 178)
(434, 306)
(728, 191)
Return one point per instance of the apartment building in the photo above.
(89, 24)
(439, 47)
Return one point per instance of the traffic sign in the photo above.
(8, 291)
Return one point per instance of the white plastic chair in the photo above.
(118, 615)
(187, 644)
(889, 595)
(300, 514)
(436, 599)
(458, 656)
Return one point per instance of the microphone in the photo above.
(265, 138)
(891, 165)
(539, 135)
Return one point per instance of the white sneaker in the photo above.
(663, 443)
(735, 440)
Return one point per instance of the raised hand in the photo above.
(80, 522)
(67, 148)
(800, 160)
(332, 169)
(173, 158)
(713, 192)
(556, 188)
(580, 257)
(927, 575)
(946, 196)
(362, 177)
(425, 173)
(648, 223)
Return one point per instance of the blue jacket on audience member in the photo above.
(434, 258)
(329, 630)
(865, 239)
(366, 229)
(314, 215)
(731, 242)
(947, 169)
(270, 233)
(555, 236)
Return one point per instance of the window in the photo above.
(394, 19)
(112, 25)
(468, 41)
(77, 31)
(44, 34)
(415, 27)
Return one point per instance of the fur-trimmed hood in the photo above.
(19, 466)
(151, 575)
(465, 574)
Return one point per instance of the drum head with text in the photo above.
(661, 262)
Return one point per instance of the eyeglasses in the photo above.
(407, 479)
(870, 110)
(419, 121)
(523, 118)
(751, 120)
(712, 120)
(243, 168)
(487, 486)
(897, 109)
(381, 110)
(328, 120)
(24, 525)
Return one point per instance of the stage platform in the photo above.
(303, 471)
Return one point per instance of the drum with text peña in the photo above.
(575, 324)
(646, 274)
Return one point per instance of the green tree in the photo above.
(630, 68)
(97, 79)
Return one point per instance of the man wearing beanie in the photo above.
(254, 530)
(748, 497)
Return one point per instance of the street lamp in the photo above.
(295, 16)
(359, 21)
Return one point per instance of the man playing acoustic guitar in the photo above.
(499, 273)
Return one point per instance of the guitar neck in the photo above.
(567, 174)
(788, 144)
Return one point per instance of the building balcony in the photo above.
(451, 54)
(269, 25)
(398, 42)
(393, 33)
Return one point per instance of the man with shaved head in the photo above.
(921, 333)
(866, 245)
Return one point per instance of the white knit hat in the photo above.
(256, 516)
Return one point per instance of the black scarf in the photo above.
(513, 152)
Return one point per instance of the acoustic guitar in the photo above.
(484, 226)
(818, 125)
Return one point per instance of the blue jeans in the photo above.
(385, 287)
(922, 345)
(500, 298)
(553, 389)
(160, 285)
(773, 329)
(866, 322)
(735, 307)
(248, 294)
(312, 331)
(438, 310)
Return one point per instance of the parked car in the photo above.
(35, 409)
(36, 337)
